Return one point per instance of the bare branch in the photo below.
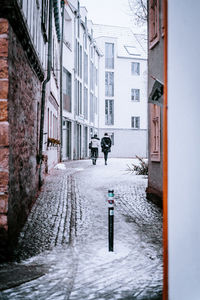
(138, 9)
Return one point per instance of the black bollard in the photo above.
(111, 220)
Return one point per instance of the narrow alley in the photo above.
(63, 247)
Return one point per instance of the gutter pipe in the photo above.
(49, 63)
(61, 78)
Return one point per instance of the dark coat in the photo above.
(106, 144)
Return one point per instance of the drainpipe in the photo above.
(165, 159)
(61, 78)
(49, 63)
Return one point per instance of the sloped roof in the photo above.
(129, 45)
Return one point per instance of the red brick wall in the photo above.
(4, 131)
(20, 93)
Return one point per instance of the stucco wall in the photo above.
(127, 143)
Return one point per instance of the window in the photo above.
(109, 84)
(44, 18)
(155, 132)
(96, 105)
(85, 103)
(66, 90)
(86, 36)
(135, 68)
(135, 94)
(68, 31)
(109, 56)
(78, 58)
(91, 108)
(80, 61)
(80, 99)
(135, 122)
(91, 76)
(86, 68)
(109, 112)
(96, 77)
(91, 52)
(131, 50)
(78, 20)
(153, 22)
(112, 138)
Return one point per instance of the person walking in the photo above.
(106, 146)
(94, 147)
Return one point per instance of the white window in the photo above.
(135, 68)
(67, 86)
(91, 76)
(135, 94)
(109, 84)
(86, 103)
(112, 138)
(91, 108)
(135, 122)
(86, 68)
(109, 112)
(80, 61)
(109, 55)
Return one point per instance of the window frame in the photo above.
(68, 76)
(155, 134)
(109, 83)
(109, 60)
(134, 122)
(133, 70)
(132, 94)
(154, 23)
(109, 121)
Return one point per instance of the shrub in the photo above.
(139, 169)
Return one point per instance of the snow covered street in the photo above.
(66, 237)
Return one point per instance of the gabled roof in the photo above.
(129, 45)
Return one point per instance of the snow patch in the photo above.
(60, 167)
(105, 256)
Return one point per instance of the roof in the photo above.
(129, 45)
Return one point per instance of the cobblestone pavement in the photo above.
(64, 243)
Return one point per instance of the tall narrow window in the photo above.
(66, 90)
(153, 22)
(109, 84)
(155, 132)
(135, 95)
(51, 121)
(85, 68)
(85, 103)
(91, 76)
(91, 108)
(135, 122)
(44, 13)
(109, 55)
(80, 61)
(109, 112)
(135, 68)
(80, 99)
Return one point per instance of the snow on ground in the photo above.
(80, 265)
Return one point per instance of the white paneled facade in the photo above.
(80, 83)
(123, 89)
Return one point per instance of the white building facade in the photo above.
(123, 89)
(80, 83)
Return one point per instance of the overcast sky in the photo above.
(108, 12)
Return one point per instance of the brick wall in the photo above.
(4, 132)
(20, 93)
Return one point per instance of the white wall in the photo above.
(184, 149)
(128, 142)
